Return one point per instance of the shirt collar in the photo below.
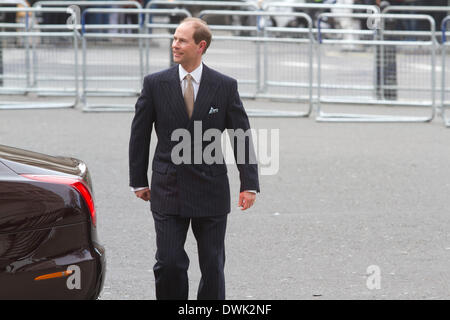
(196, 74)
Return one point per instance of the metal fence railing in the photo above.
(444, 103)
(314, 10)
(402, 74)
(413, 28)
(257, 77)
(198, 6)
(276, 50)
(79, 6)
(59, 23)
(116, 67)
(26, 50)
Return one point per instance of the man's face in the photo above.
(184, 49)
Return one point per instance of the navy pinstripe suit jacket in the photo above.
(189, 190)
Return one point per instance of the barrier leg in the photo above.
(1, 62)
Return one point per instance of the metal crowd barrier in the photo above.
(397, 83)
(21, 2)
(224, 4)
(75, 5)
(309, 8)
(17, 62)
(194, 7)
(416, 34)
(158, 51)
(321, 6)
(14, 27)
(115, 68)
(269, 62)
(444, 91)
(415, 10)
(10, 3)
(293, 58)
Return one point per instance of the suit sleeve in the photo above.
(241, 141)
(141, 131)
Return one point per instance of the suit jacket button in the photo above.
(203, 173)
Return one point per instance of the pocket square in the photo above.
(213, 110)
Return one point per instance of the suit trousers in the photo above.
(172, 261)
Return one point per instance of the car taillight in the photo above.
(74, 182)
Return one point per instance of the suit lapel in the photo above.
(206, 93)
(174, 95)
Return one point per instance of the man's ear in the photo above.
(202, 46)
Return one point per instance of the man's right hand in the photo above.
(143, 194)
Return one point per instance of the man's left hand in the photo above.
(246, 199)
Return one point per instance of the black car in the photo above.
(48, 237)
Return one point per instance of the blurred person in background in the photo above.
(98, 18)
(52, 17)
(130, 18)
(438, 16)
(386, 61)
(348, 23)
(407, 24)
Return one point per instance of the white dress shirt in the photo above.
(196, 78)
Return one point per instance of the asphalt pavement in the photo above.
(348, 198)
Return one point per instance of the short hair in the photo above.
(201, 31)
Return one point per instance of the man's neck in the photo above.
(191, 67)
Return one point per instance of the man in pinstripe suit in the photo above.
(189, 193)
